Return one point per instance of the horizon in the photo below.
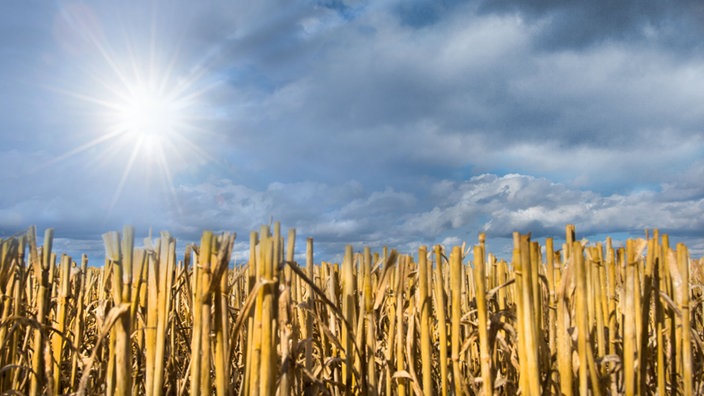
(95, 249)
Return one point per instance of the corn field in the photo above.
(580, 318)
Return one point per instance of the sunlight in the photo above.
(154, 121)
(148, 115)
(146, 106)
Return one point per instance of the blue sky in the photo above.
(376, 123)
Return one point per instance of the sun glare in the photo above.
(154, 118)
(148, 114)
(147, 107)
(148, 118)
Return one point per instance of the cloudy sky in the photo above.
(386, 122)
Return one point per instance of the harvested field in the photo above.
(581, 318)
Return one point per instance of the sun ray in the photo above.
(149, 102)
(77, 150)
(125, 174)
(169, 179)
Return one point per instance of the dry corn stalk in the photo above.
(376, 324)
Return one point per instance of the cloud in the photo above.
(473, 92)
(500, 205)
(576, 24)
(348, 213)
(335, 215)
(372, 123)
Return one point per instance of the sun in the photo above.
(154, 118)
(149, 117)
(146, 109)
(147, 114)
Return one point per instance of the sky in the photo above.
(371, 123)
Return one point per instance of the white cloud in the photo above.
(336, 215)
(500, 205)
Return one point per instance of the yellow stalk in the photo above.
(587, 368)
(424, 301)
(348, 309)
(79, 319)
(441, 313)
(369, 319)
(223, 249)
(205, 299)
(629, 321)
(400, 330)
(550, 273)
(646, 321)
(604, 297)
(595, 282)
(563, 340)
(57, 340)
(530, 317)
(524, 342)
(536, 299)
(390, 339)
(307, 331)
(286, 325)
(658, 284)
(484, 353)
(252, 355)
(167, 258)
(611, 294)
(121, 294)
(200, 358)
(267, 364)
(683, 297)
(152, 318)
(41, 273)
(456, 290)
(501, 275)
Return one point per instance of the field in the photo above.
(581, 318)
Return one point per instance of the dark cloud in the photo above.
(431, 93)
(425, 13)
(575, 24)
